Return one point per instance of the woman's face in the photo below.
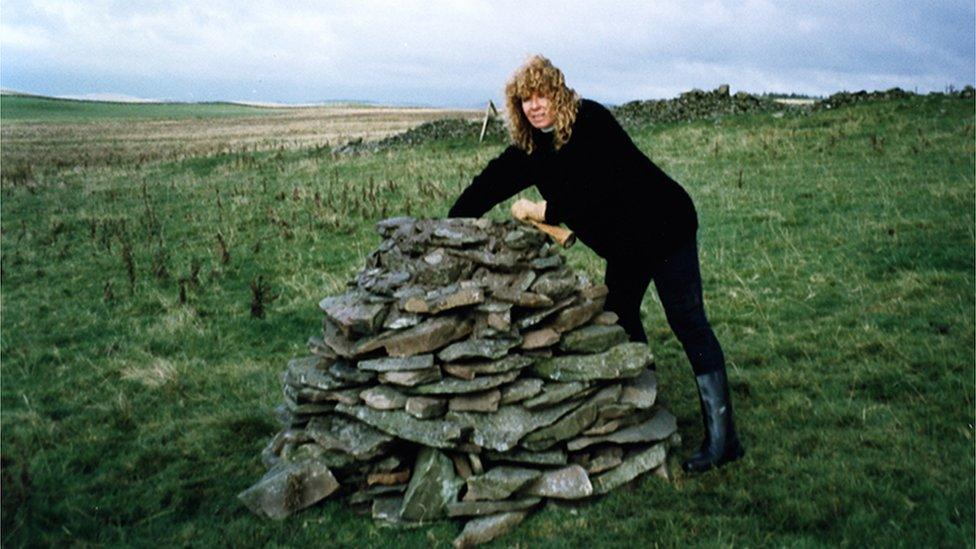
(536, 109)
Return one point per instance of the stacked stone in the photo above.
(466, 372)
(693, 105)
(446, 128)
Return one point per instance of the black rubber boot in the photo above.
(721, 444)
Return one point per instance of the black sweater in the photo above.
(599, 184)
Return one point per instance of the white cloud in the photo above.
(454, 52)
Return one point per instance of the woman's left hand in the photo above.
(524, 209)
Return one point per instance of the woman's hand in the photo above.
(524, 209)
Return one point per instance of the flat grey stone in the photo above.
(595, 292)
(592, 339)
(317, 346)
(494, 306)
(313, 372)
(615, 411)
(570, 482)
(458, 371)
(555, 285)
(410, 378)
(519, 239)
(641, 391)
(535, 318)
(658, 427)
(383, 397)
(503, 261)
(389, 226)
(335, 340)
(389, 478)
(461, 465)
(373, 492)
(606, 318)
(460, 298)
(624, 360)
(539, 339)
(347, 346)
(600, 460)
(493, 281)
(476, 402)
(502, 326)
(549, 457)
(572, 423)
(432, 486)
(306, 395)
(523, 281)
(387, 508)
(406, 292)
(480, 508)
(521, 389)
(387, 464)
(604, 460)
(310, 408)
(345, 371)
(439, 268)
(470, 370)
(289, 488)
(555, 392)
(380, 281)
(353, 314)
(425, 407)
(476, 466)
(333, 459)
(397, 364)
(633, 465)
(575, 316)
(477, 348)
(502, 430)
(427, 336)
(429, 432)
(399, 320)
(456, 234)
(501, 322)
(550, 262)
(529, 300)
(451, 386)
(604, 426)
(499, 483)
(335, 432)
(484, 529)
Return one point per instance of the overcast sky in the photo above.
(459, 53)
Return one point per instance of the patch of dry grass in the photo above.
(32, 145)
(155, 374)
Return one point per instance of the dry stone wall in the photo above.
(466, 372)
(841, 99)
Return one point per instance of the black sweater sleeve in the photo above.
(502, 178)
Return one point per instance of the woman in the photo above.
(596, 181)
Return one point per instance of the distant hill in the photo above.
(19, 106)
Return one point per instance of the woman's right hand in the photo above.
(524, 210)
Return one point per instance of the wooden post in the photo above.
(489, 110)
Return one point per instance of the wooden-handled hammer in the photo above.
(564, 237)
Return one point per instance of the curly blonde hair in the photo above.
(538, 75)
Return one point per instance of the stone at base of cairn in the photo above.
(466, 372)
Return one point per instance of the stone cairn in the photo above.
(467, 372)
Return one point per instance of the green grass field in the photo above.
(838, 263)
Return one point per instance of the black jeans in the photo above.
(679, 286)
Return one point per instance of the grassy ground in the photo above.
(838, 262)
